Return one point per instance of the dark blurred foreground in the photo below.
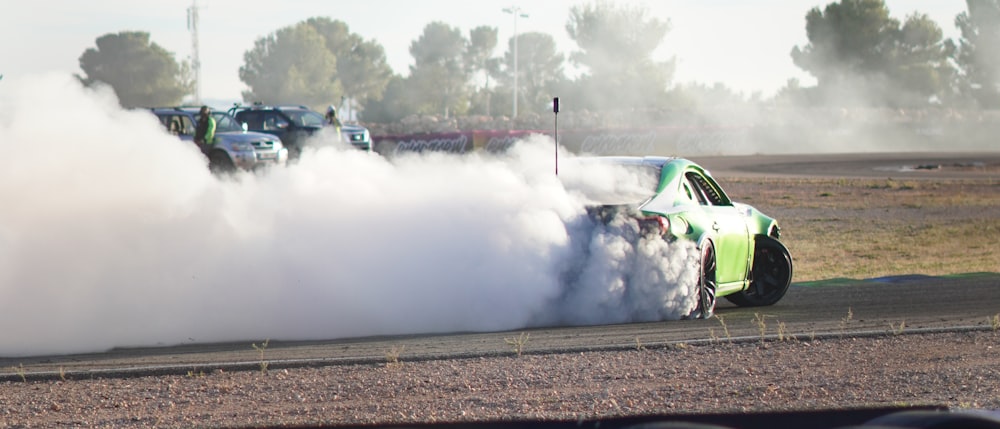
(874, 418)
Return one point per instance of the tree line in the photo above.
(860, 55)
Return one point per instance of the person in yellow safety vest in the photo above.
(334, 121)
(204, 132)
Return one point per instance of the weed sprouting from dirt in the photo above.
(759, 320)
(20, 371)
(783, 332)
(518, 342)
(261, 348)
(725, 328)
(846, 320)
(897, 329)
(392, 356)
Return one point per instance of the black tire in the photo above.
(770, 277)
(219, 162)
(707, 284)
(951, 419)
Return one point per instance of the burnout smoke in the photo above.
(618, 275)
(114, 234)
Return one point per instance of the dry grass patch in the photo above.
(863, 228)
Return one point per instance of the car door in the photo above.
(725, 224)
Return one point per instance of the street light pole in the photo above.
(516, 11)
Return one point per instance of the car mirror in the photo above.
(281, 124)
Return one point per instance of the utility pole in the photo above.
(555, 111)
(516, 11)
(192, 21)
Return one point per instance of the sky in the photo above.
(743, 44)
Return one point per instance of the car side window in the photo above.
(273, 122)
(695, 188)
(186, 125)
(280, 122)
(177, 125)
(252, 119)
(166, 122)
(707, 193)
(225, 123)
(687, 192)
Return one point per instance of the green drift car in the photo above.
(741, 257)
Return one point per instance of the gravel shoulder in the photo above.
(951, 370)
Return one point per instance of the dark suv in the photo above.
(294, 124)
(234, 147)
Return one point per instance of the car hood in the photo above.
(249, 136)
(351, 129)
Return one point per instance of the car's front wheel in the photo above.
(220, 163)
(707, 283)
(771, 276)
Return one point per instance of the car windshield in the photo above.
(609, 183)
(225, 123)
(305, 118)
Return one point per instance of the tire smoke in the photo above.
(114, 234)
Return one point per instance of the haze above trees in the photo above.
(859, 53)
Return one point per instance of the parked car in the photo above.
(234, 147)
(294, 124)
(741, 257)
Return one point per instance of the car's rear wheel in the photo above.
(707, 284)
(219, 162)
(771, 276)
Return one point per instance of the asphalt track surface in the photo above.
(833, 308)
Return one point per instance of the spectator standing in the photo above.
(333, 120)
(204, 133)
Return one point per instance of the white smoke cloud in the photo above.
(617, 275)
(114, 234)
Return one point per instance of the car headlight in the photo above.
(277, 145)
(242, 146)
(357, 137)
